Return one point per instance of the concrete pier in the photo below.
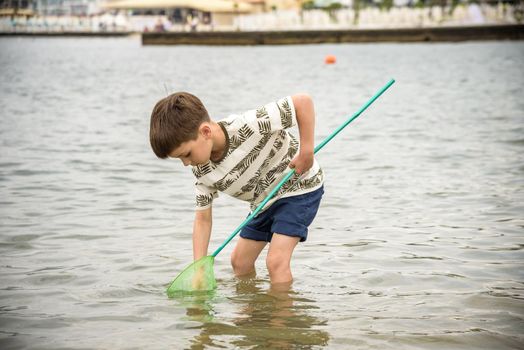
(431, 34)
(68, 34)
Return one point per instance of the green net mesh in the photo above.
(198, 276)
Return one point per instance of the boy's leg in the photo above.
(244, 255)
(278, 259)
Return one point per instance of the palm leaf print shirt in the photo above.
(258, 152)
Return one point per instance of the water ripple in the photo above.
(417, 245)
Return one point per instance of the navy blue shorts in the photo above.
(289, 216)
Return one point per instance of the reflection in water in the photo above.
(199, 305)
(272, 319)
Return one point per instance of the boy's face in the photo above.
(195, 152)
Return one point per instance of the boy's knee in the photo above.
(276, 263)
(235, 260)
(241, 266)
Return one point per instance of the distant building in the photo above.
(217, 12)
(67, 7)
(17, 8)
(285, 5)
(279, 5)
(257, 5)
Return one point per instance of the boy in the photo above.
(246, 156)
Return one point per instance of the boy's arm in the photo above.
(201, 232)
(305, 113)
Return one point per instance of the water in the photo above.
(418, 243)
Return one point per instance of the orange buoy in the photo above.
(330, 59)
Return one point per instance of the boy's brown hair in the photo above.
(175, 120)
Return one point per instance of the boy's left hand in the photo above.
(303, 162)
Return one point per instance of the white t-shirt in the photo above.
(259, 150)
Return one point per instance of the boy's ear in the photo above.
(205, 130)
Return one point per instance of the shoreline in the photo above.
(298, 37)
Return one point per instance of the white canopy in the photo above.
(201, 5)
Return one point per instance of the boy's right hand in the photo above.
(303, 162)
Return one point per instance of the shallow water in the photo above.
(418, 243)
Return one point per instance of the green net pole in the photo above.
(292, 172)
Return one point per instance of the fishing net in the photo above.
(198, 276)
